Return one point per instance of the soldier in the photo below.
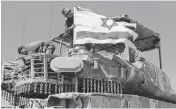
(69, 24)
(37, 47)
(33, 48)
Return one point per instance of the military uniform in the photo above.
(38, 47)
(69, 25)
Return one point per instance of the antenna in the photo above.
(23, 31)
(50, 20)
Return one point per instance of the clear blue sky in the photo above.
(32, 21)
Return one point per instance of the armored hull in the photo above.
(115, 81)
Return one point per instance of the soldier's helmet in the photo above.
(20, 48)
(65, 11)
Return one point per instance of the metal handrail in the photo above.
(39, 68)
(38, 63)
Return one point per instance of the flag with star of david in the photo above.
(94, 28)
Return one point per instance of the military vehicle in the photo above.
(89, 79)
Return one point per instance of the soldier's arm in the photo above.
(47, 43)
(67, 30)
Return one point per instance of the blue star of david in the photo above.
(106, 25)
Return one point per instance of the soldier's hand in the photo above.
(67, 30)
(70, 28)
(73, 26)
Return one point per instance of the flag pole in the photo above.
(60, 51)
(160, 60)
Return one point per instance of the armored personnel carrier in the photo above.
(88, 79)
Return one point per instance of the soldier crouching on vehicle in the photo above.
(34, 48)
(37, 47)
